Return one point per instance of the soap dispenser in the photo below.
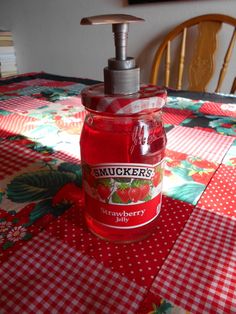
(122, 145)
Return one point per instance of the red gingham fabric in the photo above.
(11, 87)
(14, 157)
(175, 116)
(220, 194)
(198, 143)
(227, 110)
(200, 272)
(66, 156)
(22, 104)
(45, 82)
(47, 276)
(16, 124)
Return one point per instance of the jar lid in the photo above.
(149, 98)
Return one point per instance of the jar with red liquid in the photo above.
(122, 151)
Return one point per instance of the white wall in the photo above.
(48, 36)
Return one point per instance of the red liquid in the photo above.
(130, 139)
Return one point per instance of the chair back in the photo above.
(196, 59)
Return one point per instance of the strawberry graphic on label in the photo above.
(144, 191)
(104, 191)
(134, 194)
(123, 193)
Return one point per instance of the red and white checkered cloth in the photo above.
(198, 143)
(227, 110)
(22, 104)
(47, 276)
(175, 116)
(14, 157)
(16, 124)
(45, 82)
(67, 156)
(200, 272)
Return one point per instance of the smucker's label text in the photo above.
(123, 172)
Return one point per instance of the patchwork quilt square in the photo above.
(198, 143)
(220, 194)
(186, 177)
(199, 273)
(184, 103)
(46, 275)
(16, 124)
(175, 116)
(14, 157)
(127, 259)
(218, 109)
(230, 157)
(222, 125)
(75, 88)
(22, 104)
(46, 82)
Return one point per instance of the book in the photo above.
(6, 43)
(7, 55)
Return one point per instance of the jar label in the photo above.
(125, 195)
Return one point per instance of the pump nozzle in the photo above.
(121, 76)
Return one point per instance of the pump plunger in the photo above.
(121, 76)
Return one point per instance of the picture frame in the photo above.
(130, 2)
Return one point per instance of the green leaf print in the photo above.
(4, 112)
(72, 169)
(38, 185)
(40, 209)
(1, 196)
(164, 307)
(27, 236)
(182, 172)
(7, 245)
(189, 192)
(60, 209)
(115, 198)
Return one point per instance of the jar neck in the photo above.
(137, 115)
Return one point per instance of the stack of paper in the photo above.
(7, 55)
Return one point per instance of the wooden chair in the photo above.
(233, 88)
(198, 67)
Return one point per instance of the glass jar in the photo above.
(122, 151)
